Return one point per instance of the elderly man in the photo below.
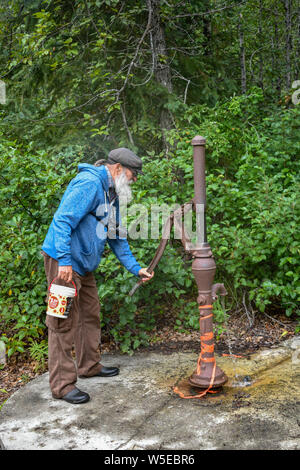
(72, 250)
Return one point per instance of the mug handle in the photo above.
(71, 281)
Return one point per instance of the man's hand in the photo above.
(65, 273)
(145, 276)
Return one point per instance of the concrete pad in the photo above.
(257, 409)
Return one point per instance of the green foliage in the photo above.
(2, 390)
(87, 70)
(87, 76)
(252, 219)
(39, 352)
(252, 188)
(31, 188)
(252, 191)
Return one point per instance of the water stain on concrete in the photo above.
(268, 376)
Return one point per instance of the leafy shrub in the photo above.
(252, 218)
(252, 191)
(32, 185)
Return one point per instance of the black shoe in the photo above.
(76, 397)
(104, 372)
(108, 372)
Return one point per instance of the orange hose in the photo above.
(232, 355)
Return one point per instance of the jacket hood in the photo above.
(98, 171)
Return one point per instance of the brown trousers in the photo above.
(81, 328)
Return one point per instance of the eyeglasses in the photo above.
(133, 171)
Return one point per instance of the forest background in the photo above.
(79, 78)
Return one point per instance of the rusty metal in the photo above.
(198, 143)
(204, 268)
(207, 374)
(174, 218)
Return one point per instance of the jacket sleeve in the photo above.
(121, 249)
(79, 199)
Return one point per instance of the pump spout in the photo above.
(216, 288)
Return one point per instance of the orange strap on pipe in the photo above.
(207, 316)
(207, 359)
(207, 348)
(207, 336)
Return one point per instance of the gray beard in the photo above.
(123, 188)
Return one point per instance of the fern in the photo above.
(39, 352)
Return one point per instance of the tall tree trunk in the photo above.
(207, 36)
(273, 79)
(297, 45)
(162, 70)
(242, 54)
(161, 65)
(261, 79)
(277, 51)
(288, 42)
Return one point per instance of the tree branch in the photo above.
(126, 125)
(226, 7)
(137, 49)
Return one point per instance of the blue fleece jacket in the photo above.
(78, 232)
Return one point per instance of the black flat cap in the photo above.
(127, 158)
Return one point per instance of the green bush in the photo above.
(252, 191)
(31, 187)
(252, 218)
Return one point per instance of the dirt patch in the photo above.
(236, 336)
(17, 373)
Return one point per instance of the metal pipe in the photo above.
(207, 373)
(198, 143)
